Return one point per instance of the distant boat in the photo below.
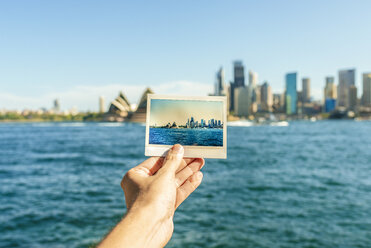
(272, 121)
(279, 124)
(240, 124)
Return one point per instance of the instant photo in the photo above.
(197, 123)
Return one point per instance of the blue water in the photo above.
(186, 136)
(305, 185)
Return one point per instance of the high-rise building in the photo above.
(56, 105)
(266, 97)
(330, 91)
(278, 102)
(242, 102)
(239, 81)
(346, 79)
(220, 89)
(291, 93)
(353, 99)
(330, 94)
(330, 104)
(306, 90)
(253, 79)
(239, 74)
(101, 105)
(366, 96)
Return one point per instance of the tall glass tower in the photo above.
(346, 79)
(291, 93)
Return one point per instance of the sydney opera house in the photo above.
(121, 110)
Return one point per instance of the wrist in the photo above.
(143, 224)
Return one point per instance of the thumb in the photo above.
(173, 159)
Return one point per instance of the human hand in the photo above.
(158, 186)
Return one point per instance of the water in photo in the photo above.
(186, 122)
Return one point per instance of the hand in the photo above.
(162, 185)
(153, 190)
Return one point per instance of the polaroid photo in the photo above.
(199, 124)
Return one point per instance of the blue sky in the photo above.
(78, 50)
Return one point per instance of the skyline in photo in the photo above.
(164, 111)
(77, 51)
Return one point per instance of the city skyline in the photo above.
(164, 111)
(134, 45)
(193, 123)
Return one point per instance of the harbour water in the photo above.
(186, 136)
(303, 185)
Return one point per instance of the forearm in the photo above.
(136, 229)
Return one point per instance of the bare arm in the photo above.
(153, 190)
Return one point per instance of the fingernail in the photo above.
(178, 149)
(199, 175)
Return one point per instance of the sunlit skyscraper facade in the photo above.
(101, 105)
(346, 79)
(330, 94)
(266, 97)
(291, 96)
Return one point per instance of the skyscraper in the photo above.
(353, 99)
(291, 93)
(330, 88)
(330, 94)
(220, 89)
(366, 96)
(56, 105)
(239, 81)
(266, 97)
(306, 90)
(346, 79)
(278, 102)
(101, 105)
(239, 74)
(242, 103)
(253, 79)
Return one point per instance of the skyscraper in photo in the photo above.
(366, 96)
(291, 93)
(306, 90)
(220, 89)
(346, 79)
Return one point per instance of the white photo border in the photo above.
(189, 151)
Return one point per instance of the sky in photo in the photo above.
(79, 50)
(164, 111)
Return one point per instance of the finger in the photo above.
(188, 187)
(173, 159)
(188, 171)
(150, 166)
(185, 162)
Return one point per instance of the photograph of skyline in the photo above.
(164, 111)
